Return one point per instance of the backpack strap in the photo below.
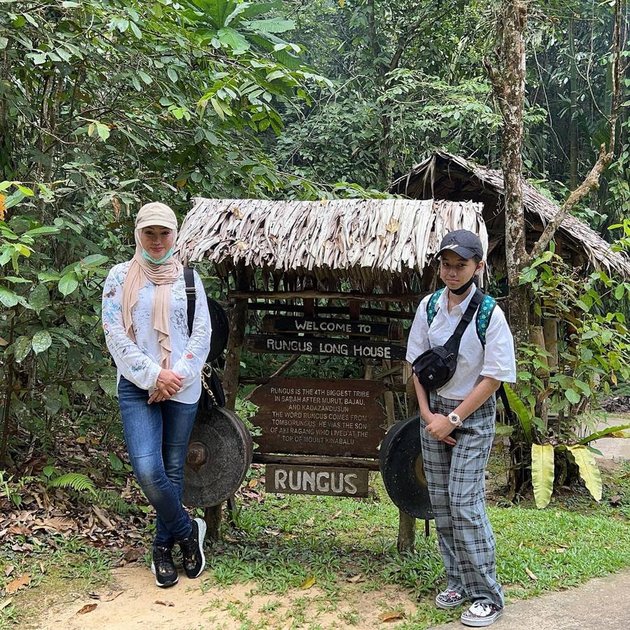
(482, 320)
(454, 340)
(484, 313)
(432, 305)
(191, 296)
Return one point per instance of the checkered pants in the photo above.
(456, 480)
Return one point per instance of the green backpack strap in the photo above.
(482, 320)
(432, 305)
(484, 313)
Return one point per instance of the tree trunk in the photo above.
(508, 82)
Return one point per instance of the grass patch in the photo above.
(52, 573)
(323, 558)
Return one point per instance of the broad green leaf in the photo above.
(85, 388)
(103, 131)
(17, 280)
(8, 297)
(145, 77)
(619, 291)
(233, 39)
(3, 43)
(523, 414)
(21, 348)
(272, 25)
(572, 396)
(41, 341)
(136, 31)
(94, 260)
(276, 74)
(44, 229)
(39, 297)
(115, 462)
(109, 386)
(616, 431)
(542, 473)
(172, 74)
(68, 283)
(589, 470)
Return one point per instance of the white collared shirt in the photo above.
(496, 359)
(139, 361)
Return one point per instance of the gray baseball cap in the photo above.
(463, 242)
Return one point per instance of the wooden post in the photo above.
(406, 523)
(550, 333)
(406, 532)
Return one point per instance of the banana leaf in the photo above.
(542, 473)
(589, 471)
(523, 414)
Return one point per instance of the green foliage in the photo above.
(593, 356)
(75, 481)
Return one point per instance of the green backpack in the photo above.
(482, 319)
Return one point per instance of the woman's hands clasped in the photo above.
(438, 426)
(168, 384)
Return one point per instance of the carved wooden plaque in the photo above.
(340, 482)
(352, 348)
(320, 417)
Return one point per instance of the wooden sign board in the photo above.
(324, 326)
(353, 348)
(320, 417)
(340, 482)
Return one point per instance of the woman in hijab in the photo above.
(159, 379)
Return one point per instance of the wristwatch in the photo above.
(454, 419)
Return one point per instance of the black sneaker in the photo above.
(192, 549)
(163, 567)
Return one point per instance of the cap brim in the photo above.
(159, 222)
(462, 252)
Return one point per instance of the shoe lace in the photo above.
(162, 559)
(481, 609)
(451, 593)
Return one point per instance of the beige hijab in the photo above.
(162, 276)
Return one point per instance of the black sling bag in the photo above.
(435, 367)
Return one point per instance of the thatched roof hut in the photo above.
(374, 245)
(447, 176)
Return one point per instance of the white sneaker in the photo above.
(481, 614)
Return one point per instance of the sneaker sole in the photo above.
(201, 533)
(165, 585)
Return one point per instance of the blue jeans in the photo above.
(157, 442)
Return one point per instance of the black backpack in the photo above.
(220, 333)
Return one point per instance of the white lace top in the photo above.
(139, 362)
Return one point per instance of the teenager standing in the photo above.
(458, 427)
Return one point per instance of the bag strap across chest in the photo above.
(484, 313)
(454, 340)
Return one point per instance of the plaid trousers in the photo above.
(456, 482)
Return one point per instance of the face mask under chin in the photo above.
(463, 288)
(157, 261)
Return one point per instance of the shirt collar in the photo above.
(443, 300)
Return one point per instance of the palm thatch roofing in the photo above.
(377, 245)
(447, 176)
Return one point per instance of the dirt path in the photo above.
(133, 601)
